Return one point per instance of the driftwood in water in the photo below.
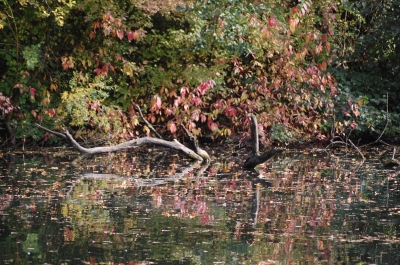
(256, 158)
(174, 144)
(195, 152)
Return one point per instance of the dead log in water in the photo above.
(256, 158)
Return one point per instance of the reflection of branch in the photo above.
(158, 164)
(203, 167)
(257, 207)
(140, 182)
(254, 134)
(358, 150)
(93, 176)
(393, 162)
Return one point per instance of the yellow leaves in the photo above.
(225, 132)
(53, 87)
(293, 22)
(354, 108)
(361, 102)
(135, 122)
(64, 96)
(244, 96)
(101, 53)
(318, 49)
(301, 55)
(129, 68)
(67, 62)
(146, 129)
(86, 63)
(307, 38)
(299, 78)
(46, 97)
(297, 99)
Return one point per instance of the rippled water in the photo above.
(151, 206)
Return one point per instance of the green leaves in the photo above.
(31, 55)
(205, 64)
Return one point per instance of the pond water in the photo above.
(152, 206)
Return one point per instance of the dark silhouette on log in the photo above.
(256, 158)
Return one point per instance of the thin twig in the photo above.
(387, 122)
(62, 135)
(358, 150)
(346, 144)
(148, 123)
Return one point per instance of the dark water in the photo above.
(149, 206)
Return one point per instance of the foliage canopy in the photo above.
(309, 70)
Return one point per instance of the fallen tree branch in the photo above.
(62, 135)
(174, 144)
(256, 158)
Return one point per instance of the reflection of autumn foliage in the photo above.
(188, 203)
(5, 201)
(285, 213)
(300, 202)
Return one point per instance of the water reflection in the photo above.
(136, 208)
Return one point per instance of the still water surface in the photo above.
(151, 206)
